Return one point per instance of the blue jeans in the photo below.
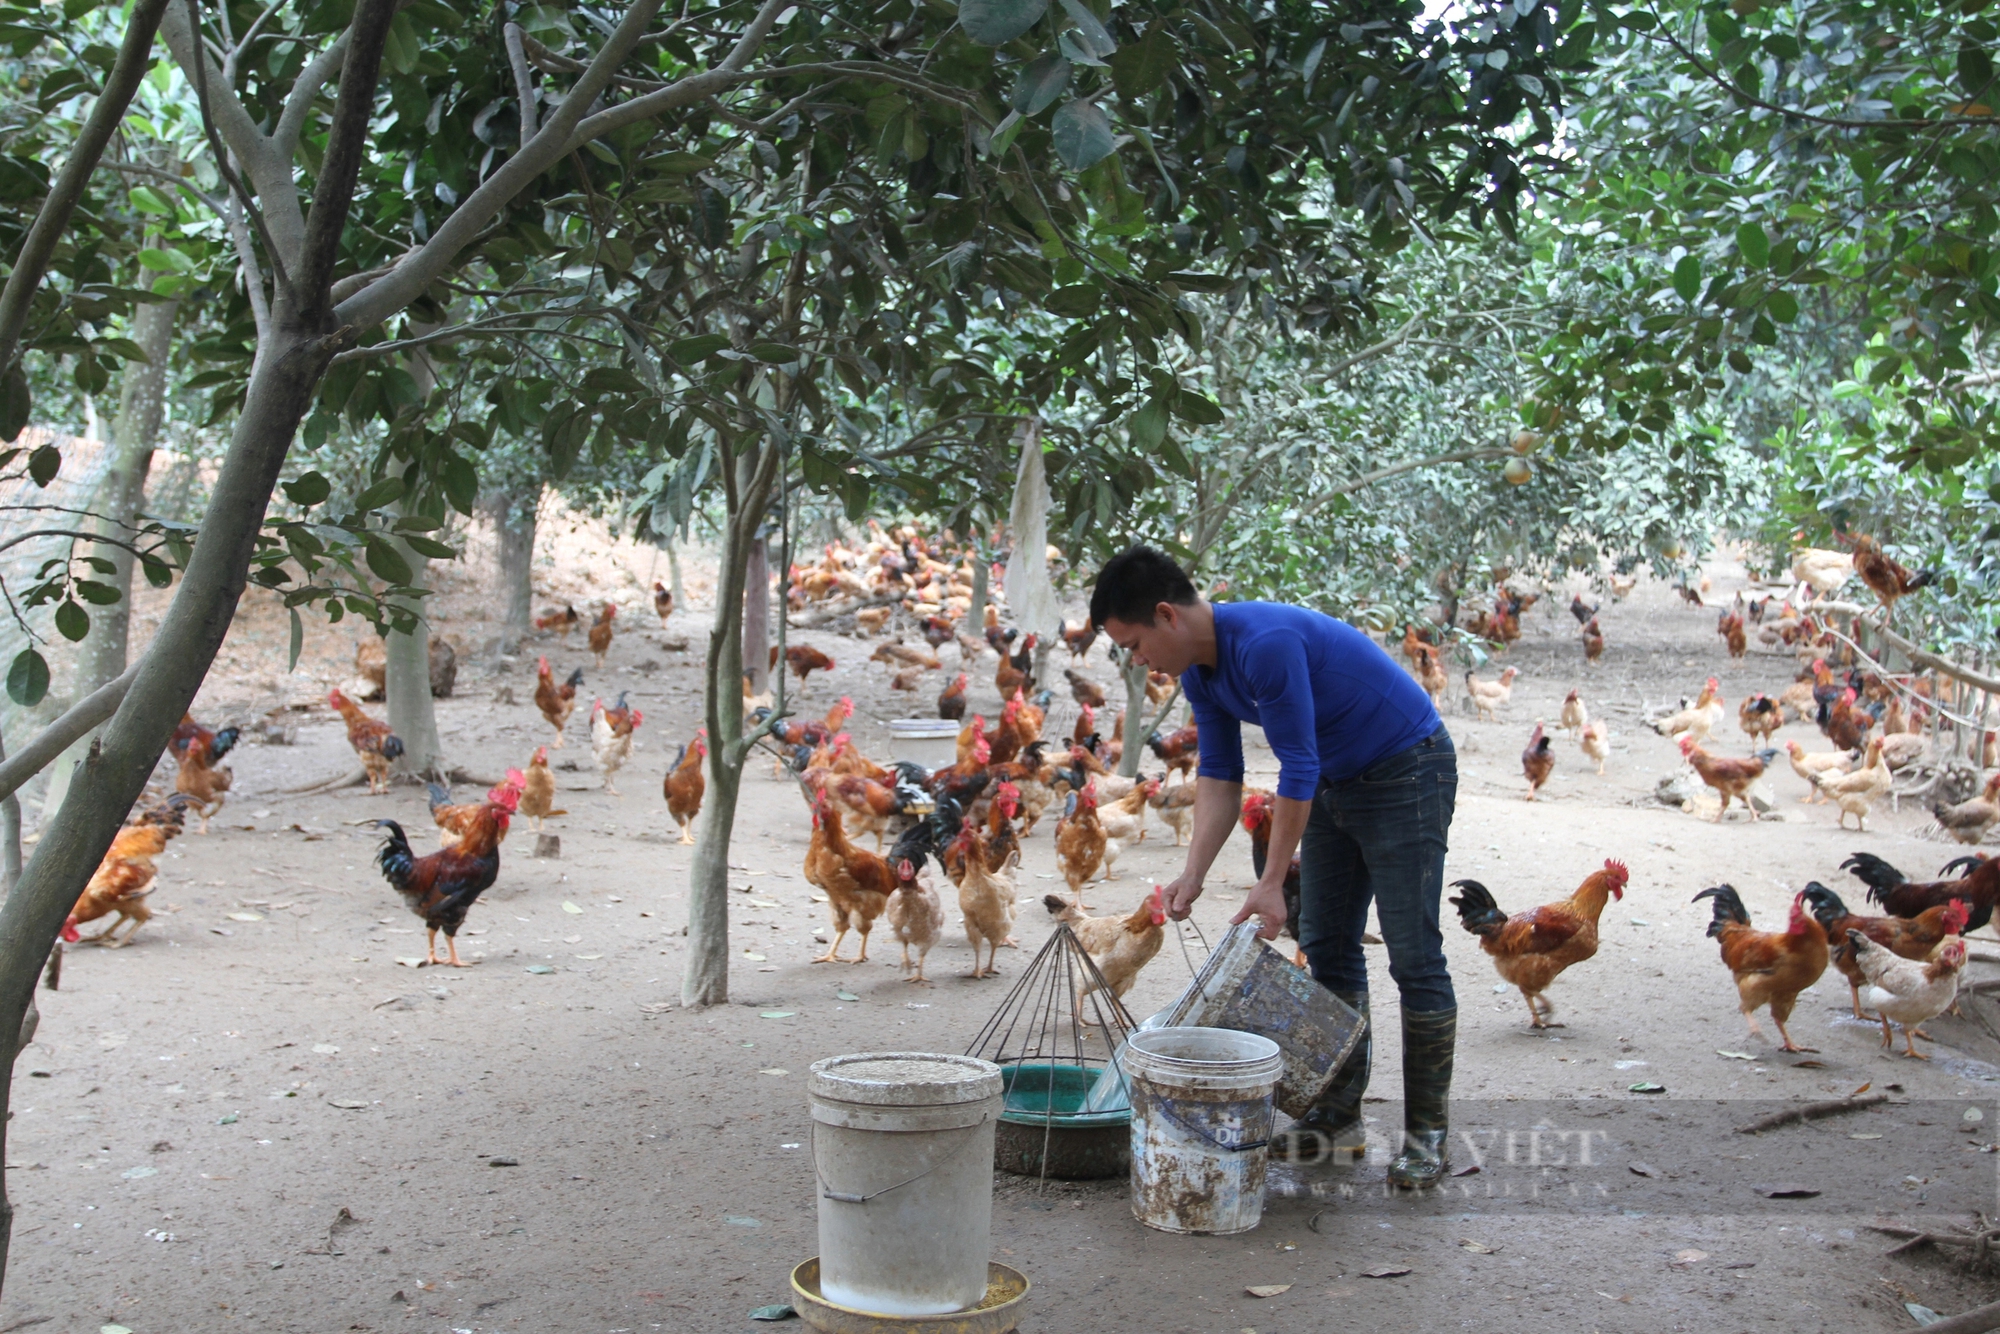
(1381, 835)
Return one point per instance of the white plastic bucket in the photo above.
(903, 1154)
(931, 742)
(1201, 1124)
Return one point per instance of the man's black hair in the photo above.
(1134, 582)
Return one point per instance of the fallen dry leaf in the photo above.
(1643, 1169)
(1470, 1169)
(1688, 1257)
(1476, 1247)
(1863, 1089)
(1386, 1271)
(1786, 1190)
(1267, 1289)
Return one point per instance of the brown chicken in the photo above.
(1080, 842)
(1119, 946)
(538, 789)
(1884, 576)
(1760, 717)
(556, 702)
(1846, 725)
(1910, 937)
(1538, 761)
(600, 633)
(1531, 949)
(1432, 675)
(1730, 626)
(453, 819)
(1086, 726)
(870, 807)
(561, 621)
(202, 776)
(684, 784)
(1968, 821)
(1179, 751)
(123, 879)
(1729, 777)
(372, 740)
(1079, 640)
(1176, 806)
(1085, 691)
(1596, 743)
(1593, 642)
(1900, 896)
(1012, 673)
(951, 700)
(856, 883)
(906, 654)
(803, 660)
(1005, 742)
(916, 914)
(1770, 967)
(985, 899)
(442, 887)
(663, 602)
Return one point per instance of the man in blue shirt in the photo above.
(1366, 784)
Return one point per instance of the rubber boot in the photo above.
(1331, 1130)
(1429, 1040)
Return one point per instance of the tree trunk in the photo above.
(756, 641)
(142, 404)
(982, 584)
(706, 981)
(114, 772)
(674, 575)
(408, 684)
(514, 526)
(120, 495)
(10, 839)
(1135, 717)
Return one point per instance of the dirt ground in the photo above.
(259, 1117)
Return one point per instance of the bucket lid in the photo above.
(908, 728)
(1214, 1058)
(904, 1079)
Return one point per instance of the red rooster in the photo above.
(442, 887)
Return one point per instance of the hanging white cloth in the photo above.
(1030, 596)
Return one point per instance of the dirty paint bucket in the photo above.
(1201, 1121)
(931, 742)
(1248, 985)
(903, 1154)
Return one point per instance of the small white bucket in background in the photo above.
(931, 742)
(903, 1155)
(1201, 1124)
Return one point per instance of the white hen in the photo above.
(1908, 991)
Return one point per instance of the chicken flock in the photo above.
(877, 826)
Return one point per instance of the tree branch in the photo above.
(244, 199)
(346, 144)
(1886, 123)
(524, 83)
(1367, 479)
(1369, 353)
(64, 732)
(401, 285)
(305, 90)
(135, 57)
(269, 172)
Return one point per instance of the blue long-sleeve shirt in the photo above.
(1330, 700)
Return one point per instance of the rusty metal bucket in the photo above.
(1248, 986)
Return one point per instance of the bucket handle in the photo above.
(1166, 1110)
(846, 1197)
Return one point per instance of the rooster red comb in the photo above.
(1157, 901)
(1956, 915)
(1616, 876)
